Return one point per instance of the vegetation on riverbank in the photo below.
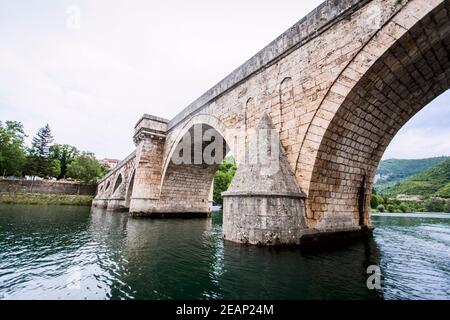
(43, 158)
(223, 177)
(385, 204)
(44, 199)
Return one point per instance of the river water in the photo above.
(75, 253)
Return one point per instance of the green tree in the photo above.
(12, 152)
(374, 201)
(54, 168)
(223, 177)
(65, 154)
(38, 160)
(381, 208)
(86, 168)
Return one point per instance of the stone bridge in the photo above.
(336, 86)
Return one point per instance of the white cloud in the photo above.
(427, 134)
(416, 143)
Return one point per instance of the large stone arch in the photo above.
(177, 134)
(187, 188)
(401, 69)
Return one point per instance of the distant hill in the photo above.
(435, 181)
(393, 171)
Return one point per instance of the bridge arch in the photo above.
(118, 182)
(178, 134)
(187, 188)
(402, 68)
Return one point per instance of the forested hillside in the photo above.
(434, 181)
(393, 171)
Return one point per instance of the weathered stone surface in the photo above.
(337, 86)
(263, 204)
(47, 186)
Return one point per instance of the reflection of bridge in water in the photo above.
(337, 86)
(187, 259)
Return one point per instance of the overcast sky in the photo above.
(92, 80)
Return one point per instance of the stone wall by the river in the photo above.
(47, 186)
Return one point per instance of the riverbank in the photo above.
(44, 199)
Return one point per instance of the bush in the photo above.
(404, 208)
(447, 206)
(391, 208)
(376, 200)
(381, 208)
(435, 205)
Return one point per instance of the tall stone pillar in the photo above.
(149, 137)
(264, 205)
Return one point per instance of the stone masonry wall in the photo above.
(47, 186)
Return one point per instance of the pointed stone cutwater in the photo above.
(264, 205)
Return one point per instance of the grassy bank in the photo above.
(45, 199)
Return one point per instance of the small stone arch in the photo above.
(118, 183)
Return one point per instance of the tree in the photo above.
(65, 154)
(376, 200)
(38, 160)
(222, 178)
(54, 168)
(435, 205)
(85, 168)
(12, 152)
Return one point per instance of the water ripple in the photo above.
(72, 253)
